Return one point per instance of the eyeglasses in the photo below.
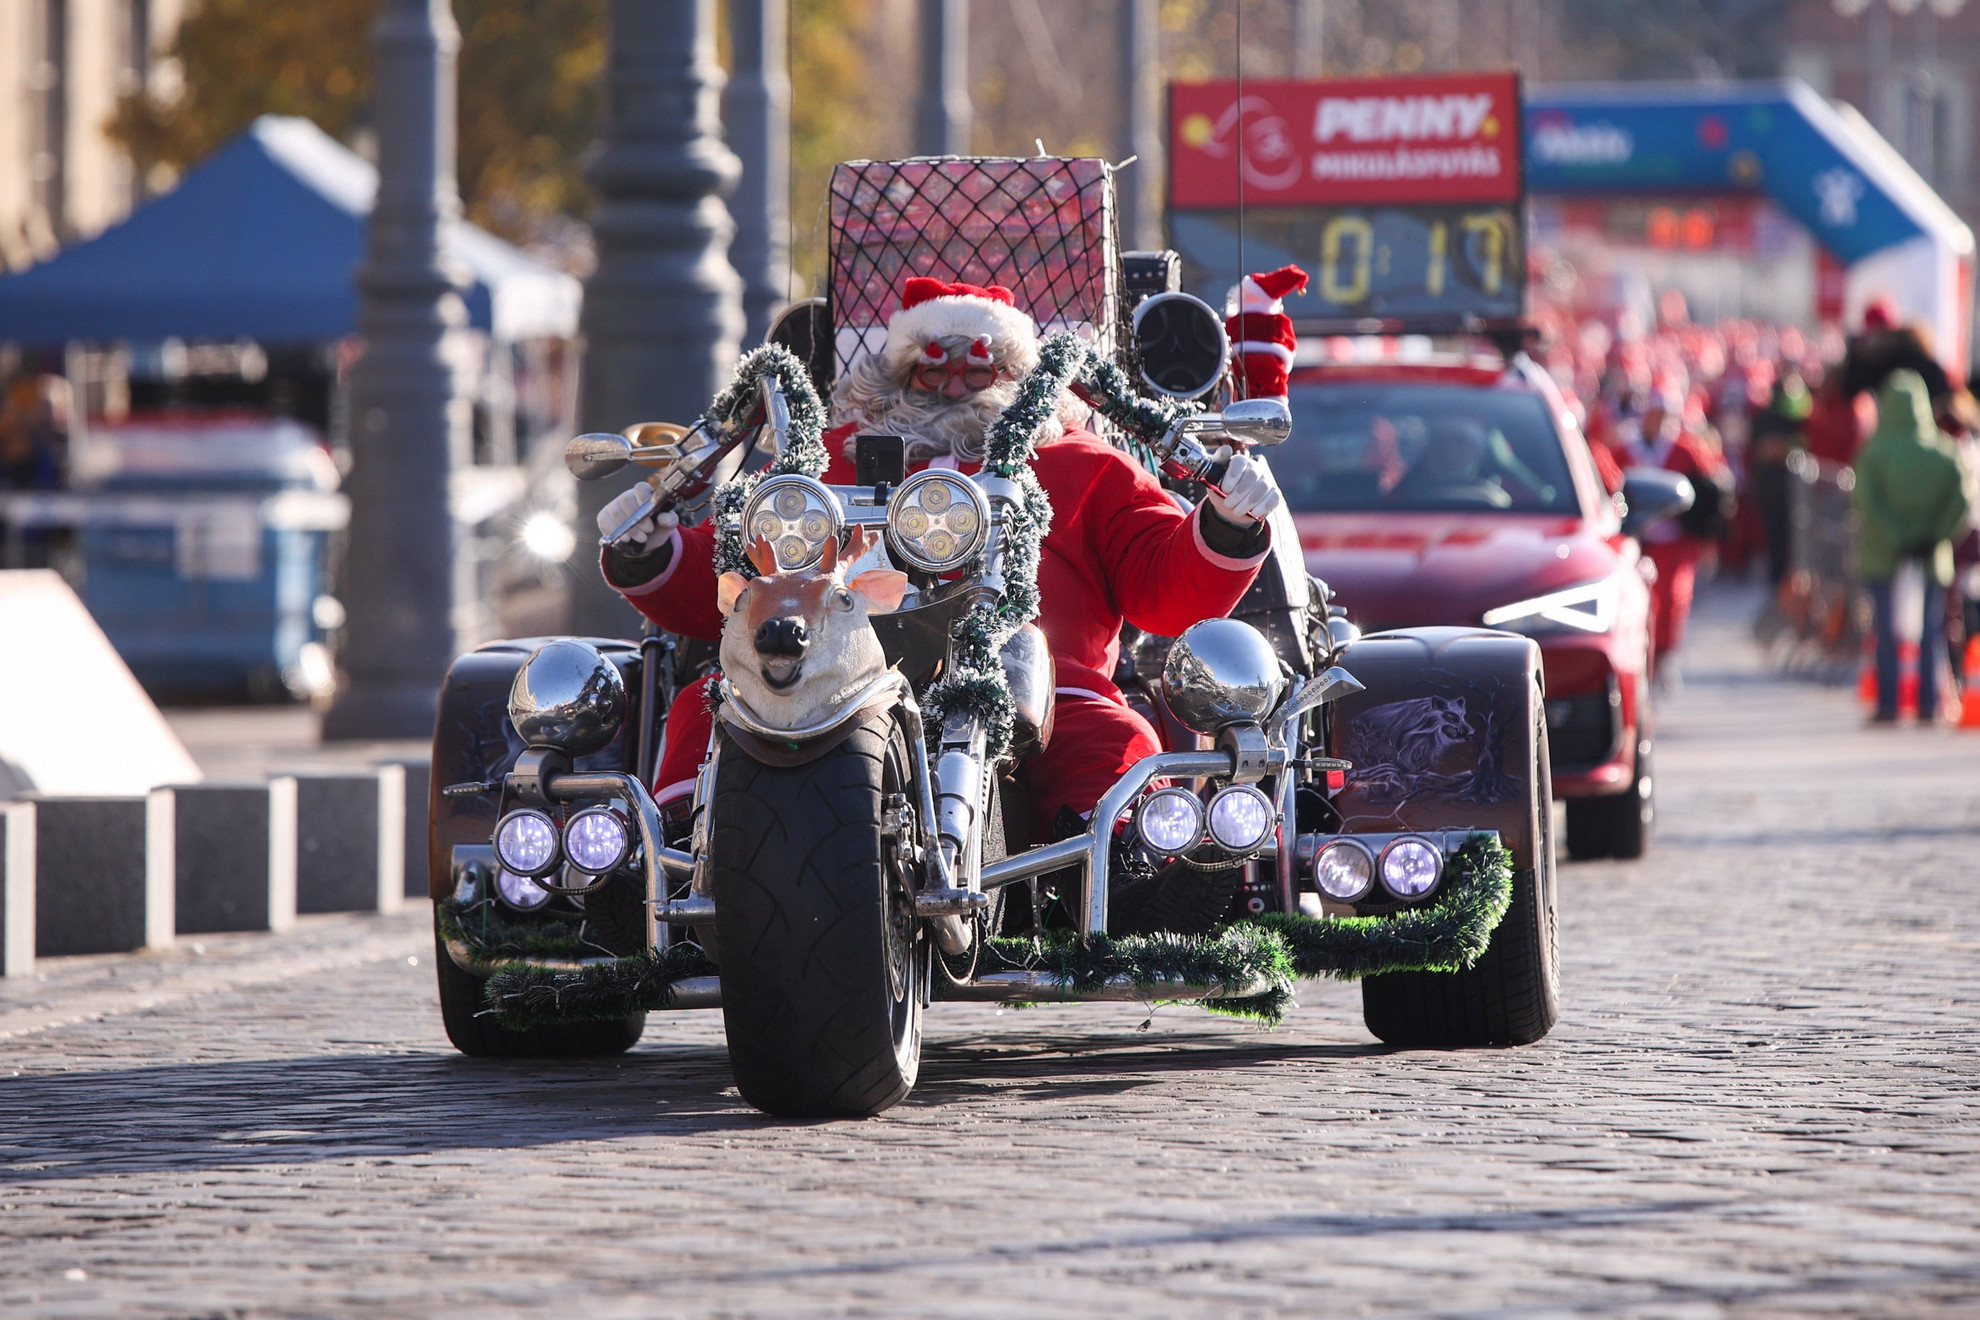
(935, 376)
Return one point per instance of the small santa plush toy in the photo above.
(1262, 334)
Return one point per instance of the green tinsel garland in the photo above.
(1448, 936)
(804, 455)
(522, 996)
(1113, 395)
(975, 685)
(487, 929)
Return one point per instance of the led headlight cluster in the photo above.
(1344, 870)
(937, 520)
(1347, 869)
(1170, 821)
(520, 892)
(1410, 867)
(595, 842)
(1241, 819)
(796, 515)
(526, 843)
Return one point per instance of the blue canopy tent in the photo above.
(260, 241)
(1822, 163)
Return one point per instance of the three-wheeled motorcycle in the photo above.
(1327, 804)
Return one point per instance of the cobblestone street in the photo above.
(1760, 1101)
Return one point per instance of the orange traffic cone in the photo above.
(1969, 685)
(1866, 677)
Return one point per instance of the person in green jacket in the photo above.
(1910, 504)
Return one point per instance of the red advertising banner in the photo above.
(1436, 138)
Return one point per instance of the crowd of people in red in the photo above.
(1728, 405)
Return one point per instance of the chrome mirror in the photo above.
(597, 454)
(1258, 421)
(1332, 685)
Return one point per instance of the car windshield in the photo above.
(1394, 448)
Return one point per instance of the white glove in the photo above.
(1249, 493)
(643, 533)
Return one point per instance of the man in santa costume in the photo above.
(1664, 438)
(1120, 547)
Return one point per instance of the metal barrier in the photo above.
(1815, 626)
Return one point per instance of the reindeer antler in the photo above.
(861, 540)
(762, 557)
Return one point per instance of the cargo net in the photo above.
(1041, 226)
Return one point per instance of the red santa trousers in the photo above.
(1670, 598)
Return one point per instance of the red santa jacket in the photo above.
(1119, 547)
(1684, 453)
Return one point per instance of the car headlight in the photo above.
(1589, 608)
(796, 515)
(1170, 821)
(526, 842)
(1344, 870)
(520, 892)
(1241, 818)
(937, 521)
(597, 840)
(1410, 867)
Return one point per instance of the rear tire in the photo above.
(821, 958)
(1617, 826)
(462, 1004)
(1512, 995)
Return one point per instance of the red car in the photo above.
(1459, 490)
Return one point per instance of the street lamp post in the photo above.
(942, 115)
(410, 420)
(663, 311)
(1140, 189)
(756, 113)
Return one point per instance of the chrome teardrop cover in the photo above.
(569, 697)
(1222, 672)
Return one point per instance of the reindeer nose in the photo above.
(785, 637)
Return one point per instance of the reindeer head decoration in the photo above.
(796, 644)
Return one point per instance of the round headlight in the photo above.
(937, 521)
(1170, 821)
(526, 842)
(1410, 867)
(1344, 870)
(597, 840)
(796, 515)
(520, 892)
(567, 695)
(1241, 818)
(1219, 672)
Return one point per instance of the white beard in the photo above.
(933, 424)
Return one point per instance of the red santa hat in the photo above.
(1267, 292)
(985, 315)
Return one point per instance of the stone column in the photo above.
(663, 311)
(756, 114)
(941, 118)
(1138, 189)
(410, 415)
